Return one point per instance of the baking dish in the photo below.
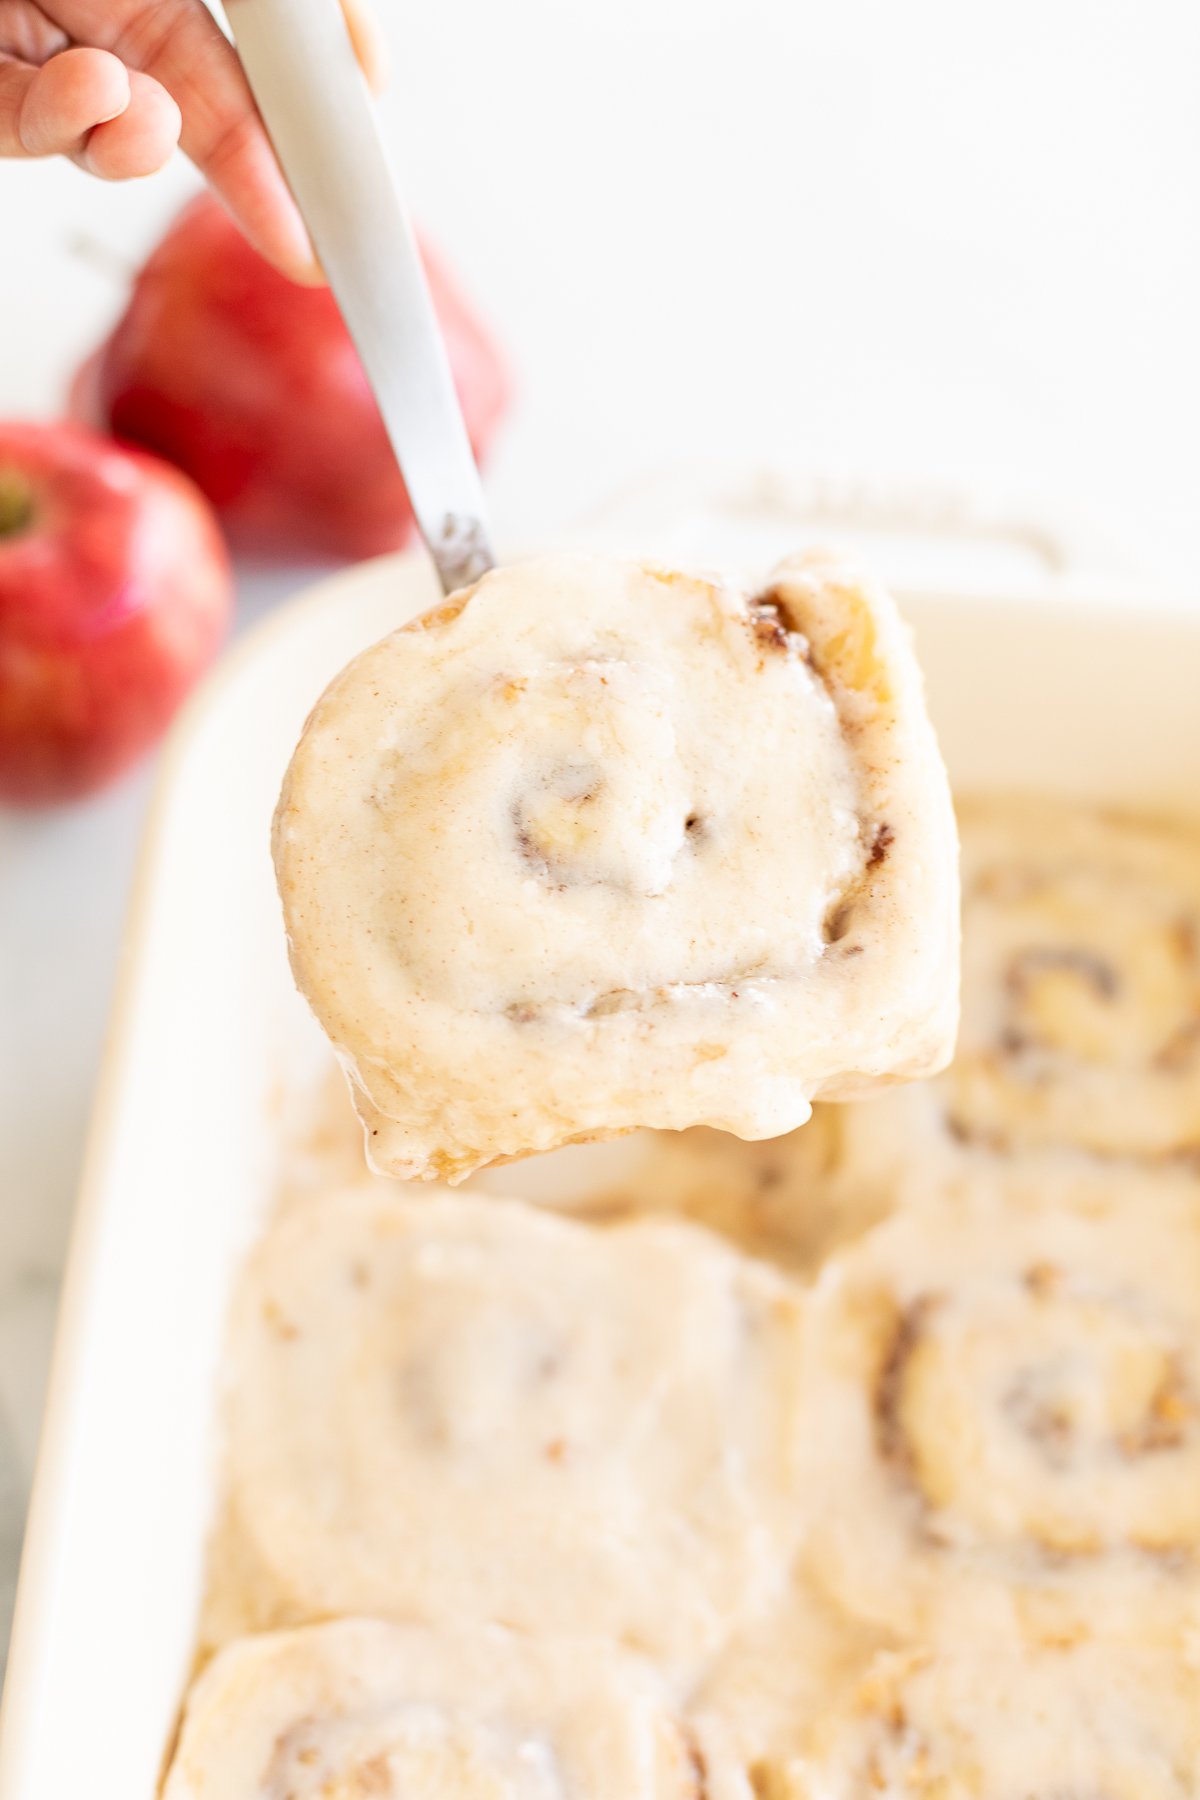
(210, 1048)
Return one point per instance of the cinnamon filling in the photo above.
(1041, 1404)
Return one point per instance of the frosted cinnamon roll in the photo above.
(466, 1409)
(1081, 1002)
(1082, 980)
(780, 1676)
(597, 845)
(1093, 1722)
(1002, 1414)
(360, 1710)
(777, 1200)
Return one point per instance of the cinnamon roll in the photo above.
(1088, 1722)
(460, 1409)
(360, 1710)
(781, 1675)
(1002, 1413)
(1080, 1030)
(1082, 1024)
(776, 1200)
(597, 845)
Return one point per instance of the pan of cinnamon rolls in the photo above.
(852, 1457)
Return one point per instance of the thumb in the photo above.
(49, 110)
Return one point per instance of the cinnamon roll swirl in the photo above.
(1080, 1033)
(597, 845)
(1002, 1414)
(359, 1710)
(1082, 979)
(460, 1409)
(1089, 1722)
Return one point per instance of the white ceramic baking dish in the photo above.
(209, 1038)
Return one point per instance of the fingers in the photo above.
(222, 132)
(51, 110)
(184, 85)
(140, 139)
(370, 46)
(86, 105)
(179, 45)
(240, 166)
(27, 34)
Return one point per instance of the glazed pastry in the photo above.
(1002, 1412)
(322, 1139)
(777, 1199)
(1082, 1020)
(388, 1712)
(774, 1199)
(461, 1409)
(597, 845)
(1081, 1004)
(781, 1675)
(1115, 1721)
(241, 1595)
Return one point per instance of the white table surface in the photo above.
(921, 241)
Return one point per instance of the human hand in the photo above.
(116, 84)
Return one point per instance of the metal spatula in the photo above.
(300, 63)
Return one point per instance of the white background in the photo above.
(919, 239)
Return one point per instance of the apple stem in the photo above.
(102, 257)
(16, 504)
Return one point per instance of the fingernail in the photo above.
(108, 117)
(303, 263)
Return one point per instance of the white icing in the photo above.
(599, 845)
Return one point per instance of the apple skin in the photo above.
(251, 386)
(115, 594)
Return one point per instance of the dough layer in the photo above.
(359, 1710)
(597, 845)
(1002, 1414)
(464, 1409)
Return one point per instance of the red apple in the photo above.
(251, 385)
(115, 593)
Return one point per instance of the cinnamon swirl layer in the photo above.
(1002, 1414)
(468, 1410)
(1081, 1025)
(598, 845)
(1090, 1722)
(1080, 1033)
(360, 1710)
